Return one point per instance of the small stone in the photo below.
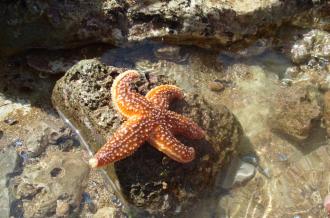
(62, 208)
(1, 134)
(17, 143)
(216, 86)
(10, 121)
(238, 173)
(105, 212)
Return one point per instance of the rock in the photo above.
(205, 23)
(54, 184)
(10, 121)
(215, 86)
(293, 111)
(105, 212)
(43, 134)
(317, 18)
(148, 178)
(315, 43)
(239, 172)
(52, 24)
(326, 111)
(62, 208)
(8, 162)
(57, 24)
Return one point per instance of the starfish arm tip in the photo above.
(93, 162)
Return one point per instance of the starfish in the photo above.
(148, 119)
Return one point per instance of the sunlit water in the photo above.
(292, 178)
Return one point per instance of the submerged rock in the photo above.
(53, 186)
(9, 160)
(315, 43)
(148, 178)
(239, 172)
(326, 112)
(293, 111)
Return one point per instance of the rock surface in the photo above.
(148, 178)
(293, 112)
(57, 24)
(8, 162)
(314, 44)
(326, 112)
(53, 186)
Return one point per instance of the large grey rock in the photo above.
(8, 162)
(148, 178)
(54, 185)
(65, 24)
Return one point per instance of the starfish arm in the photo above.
(162, 95)
(182, 125)
(163, 140)
(127, 101)
(123, 142)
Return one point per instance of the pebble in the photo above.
(62, 208)
(10, 121)
(216, 86)
(238, 173)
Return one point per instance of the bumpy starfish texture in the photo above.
(148, 119)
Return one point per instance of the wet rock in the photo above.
(54, 185)
(326, 112)
(62, 208)
(8, 162)
(148, 178)
(57, 24)
(43, 134)
(10, 121)
(239, 172)
(293, 111)
(207, 24)
(215, 86)
(317, 18)
(105, 212)
(315, 43)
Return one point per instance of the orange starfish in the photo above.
(148, 119)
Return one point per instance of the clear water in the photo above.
(292, 178)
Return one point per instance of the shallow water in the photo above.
(291, 177)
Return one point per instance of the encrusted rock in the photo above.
(315, 43)
(54, 185)
(326, 112)
(8, 162)
(57, 24)
(105, 212)
(83, 94)
(293, 111)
